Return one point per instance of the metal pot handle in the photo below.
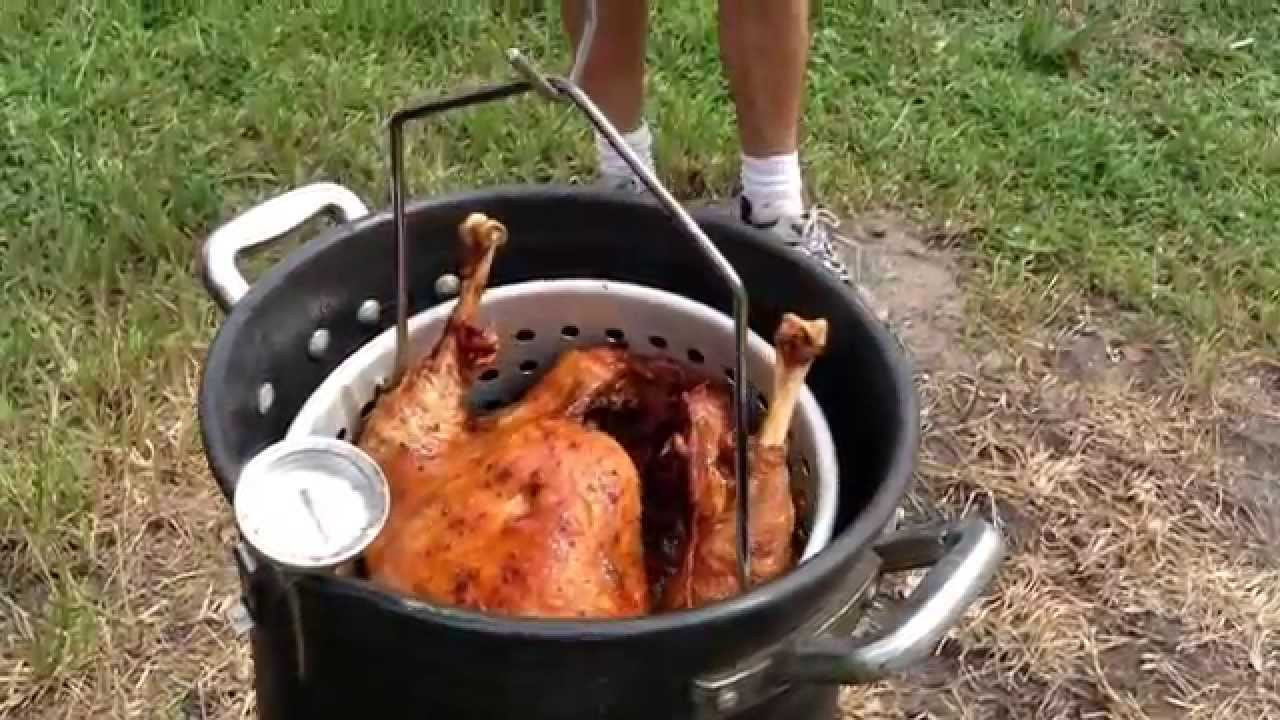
(262, 224)
(962, 560)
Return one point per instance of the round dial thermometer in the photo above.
(311, 503)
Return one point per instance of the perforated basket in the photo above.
(536, 321)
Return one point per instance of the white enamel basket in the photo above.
(536, 321)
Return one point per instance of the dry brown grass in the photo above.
(1139, 487)
(1136, 483)
(156, 639)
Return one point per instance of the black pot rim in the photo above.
(857, 538)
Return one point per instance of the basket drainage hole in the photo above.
(342, 434)
(570, 331)
(658, 341)
(695, 356)
(528, 366)
(489, 375)
(525, 335)
(614, 335)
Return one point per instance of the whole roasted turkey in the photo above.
(605, 492)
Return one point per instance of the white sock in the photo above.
(773, 186)
(611, 164)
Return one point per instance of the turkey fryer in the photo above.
(566, 90)
(301, 350)
(538, 320)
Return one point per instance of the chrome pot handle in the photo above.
(262, 224)
(962, 560)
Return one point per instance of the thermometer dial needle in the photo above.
(311, 508)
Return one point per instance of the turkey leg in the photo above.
(708, 571)
(798, 342)
(427, 408)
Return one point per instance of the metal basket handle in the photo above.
(583, 50)
(558, 88)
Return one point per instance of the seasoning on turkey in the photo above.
(535, 514)
(595, 495)
(708, 569)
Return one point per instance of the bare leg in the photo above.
(765, 47)
(614, 74)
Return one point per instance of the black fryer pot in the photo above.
(328, 646)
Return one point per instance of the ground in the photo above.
(1140, 503)
(1068, 212)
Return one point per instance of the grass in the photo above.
(1126, 151)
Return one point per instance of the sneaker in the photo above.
(626, 184)
(814, 233)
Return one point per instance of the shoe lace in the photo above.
(820, 233)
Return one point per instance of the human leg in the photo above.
(765, 48)
(613, 76)
(764, 45)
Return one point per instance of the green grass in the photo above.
(1130, 151)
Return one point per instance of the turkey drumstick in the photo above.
(798, 343)
(427, 408)
(536, 515)
(708, 570)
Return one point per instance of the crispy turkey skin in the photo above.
(532, 514)
(605, 492)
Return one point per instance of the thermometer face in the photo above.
(312, 503)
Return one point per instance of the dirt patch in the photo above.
(1101, 356)
(1249, 441)
(1092, 356)
(1265, 376)
(911, 287)
(1255, 441)
(1252, 500)
(1141, 508)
